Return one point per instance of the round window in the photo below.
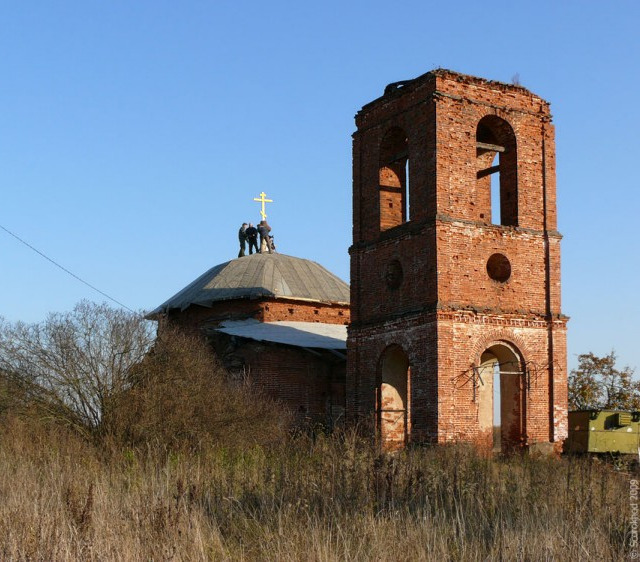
(499, 268)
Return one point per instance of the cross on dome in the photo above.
(263, 199)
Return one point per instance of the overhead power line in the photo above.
(65, 269)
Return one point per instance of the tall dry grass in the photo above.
(329, 498)
(185, 465)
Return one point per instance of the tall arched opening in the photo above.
(496, 155)
(394, 179)
(393, 402)
(502, 397)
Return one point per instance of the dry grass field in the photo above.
(179, 463)
(328, 498)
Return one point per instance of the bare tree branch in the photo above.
(74, 363)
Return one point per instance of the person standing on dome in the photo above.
(242, 238)
(265, 239)
(252, 238)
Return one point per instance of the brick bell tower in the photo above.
(455, 267)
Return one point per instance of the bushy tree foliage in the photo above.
(598, 383)
(183, 397)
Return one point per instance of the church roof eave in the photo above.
(269, 276)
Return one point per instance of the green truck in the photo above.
(603, 431)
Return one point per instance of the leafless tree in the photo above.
(74, 364)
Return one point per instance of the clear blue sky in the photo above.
(134, 136)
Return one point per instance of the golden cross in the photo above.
(263, 200)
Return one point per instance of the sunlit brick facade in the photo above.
(455, 266)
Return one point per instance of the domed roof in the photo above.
(258, 276)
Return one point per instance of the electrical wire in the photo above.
(66, 270)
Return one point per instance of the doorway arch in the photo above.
(393, 398)
(502, 397)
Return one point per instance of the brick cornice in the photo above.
(510, 320)
(411, 228)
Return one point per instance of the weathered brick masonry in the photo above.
(270, 289)
(311, 384)
(446, 290)
(265, 309)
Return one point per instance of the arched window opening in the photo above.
(394, 179)
(393, 402)
(501, 413)
(497, 174)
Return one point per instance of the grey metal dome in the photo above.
(258, 276)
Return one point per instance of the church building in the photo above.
(455, 330)
(280, 320)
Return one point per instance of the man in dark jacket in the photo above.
(265, 242)
(242, 238)
(252, 237)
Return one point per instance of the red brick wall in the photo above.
(417, 336)
(463, 336)
(311, 386)
(301, 311)
(265, 310)
(195, 316)
(447, 310)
